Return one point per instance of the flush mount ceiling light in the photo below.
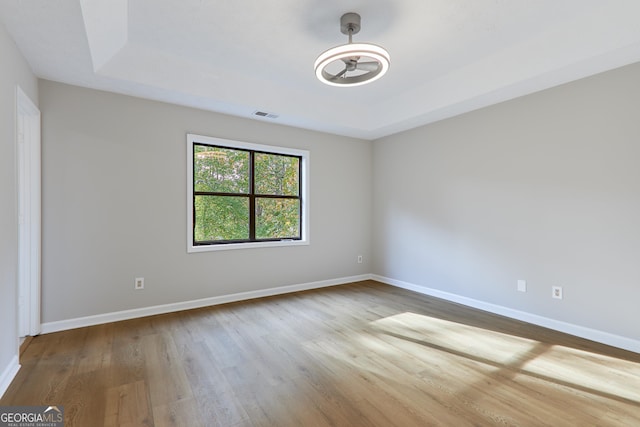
(351, 64)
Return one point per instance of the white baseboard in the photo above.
(63, 325)
(9, 374)
(569, 328)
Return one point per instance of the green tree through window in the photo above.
(245, 195)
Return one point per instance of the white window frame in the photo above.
(305, 155)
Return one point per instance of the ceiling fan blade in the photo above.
(368, 66)
(340, 74)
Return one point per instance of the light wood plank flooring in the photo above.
(363, 354)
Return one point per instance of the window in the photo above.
(245, 195)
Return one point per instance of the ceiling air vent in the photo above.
(265, 114)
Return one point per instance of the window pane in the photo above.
(221, 218)
(220, 170)
(277, 218)
(276, 174)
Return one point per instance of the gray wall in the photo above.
(544, 188)
(114, 206)
(13, 71)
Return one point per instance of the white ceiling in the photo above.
(239, 56)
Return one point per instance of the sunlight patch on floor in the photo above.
(455, 337)
(587, 371)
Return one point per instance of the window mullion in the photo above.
(252, 198)
(300, 197)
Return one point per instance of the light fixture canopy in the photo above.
(352, 64)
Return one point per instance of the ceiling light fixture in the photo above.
(351, 64)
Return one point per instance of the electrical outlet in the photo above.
(522, 285)
(556, 292)
(359, 259)
(139, 283)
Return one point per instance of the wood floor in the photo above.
(363, 354)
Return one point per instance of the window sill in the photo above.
(247, 245)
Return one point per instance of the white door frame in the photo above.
(29, 213)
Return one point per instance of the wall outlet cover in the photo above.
(522, 285)
(556, 292)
